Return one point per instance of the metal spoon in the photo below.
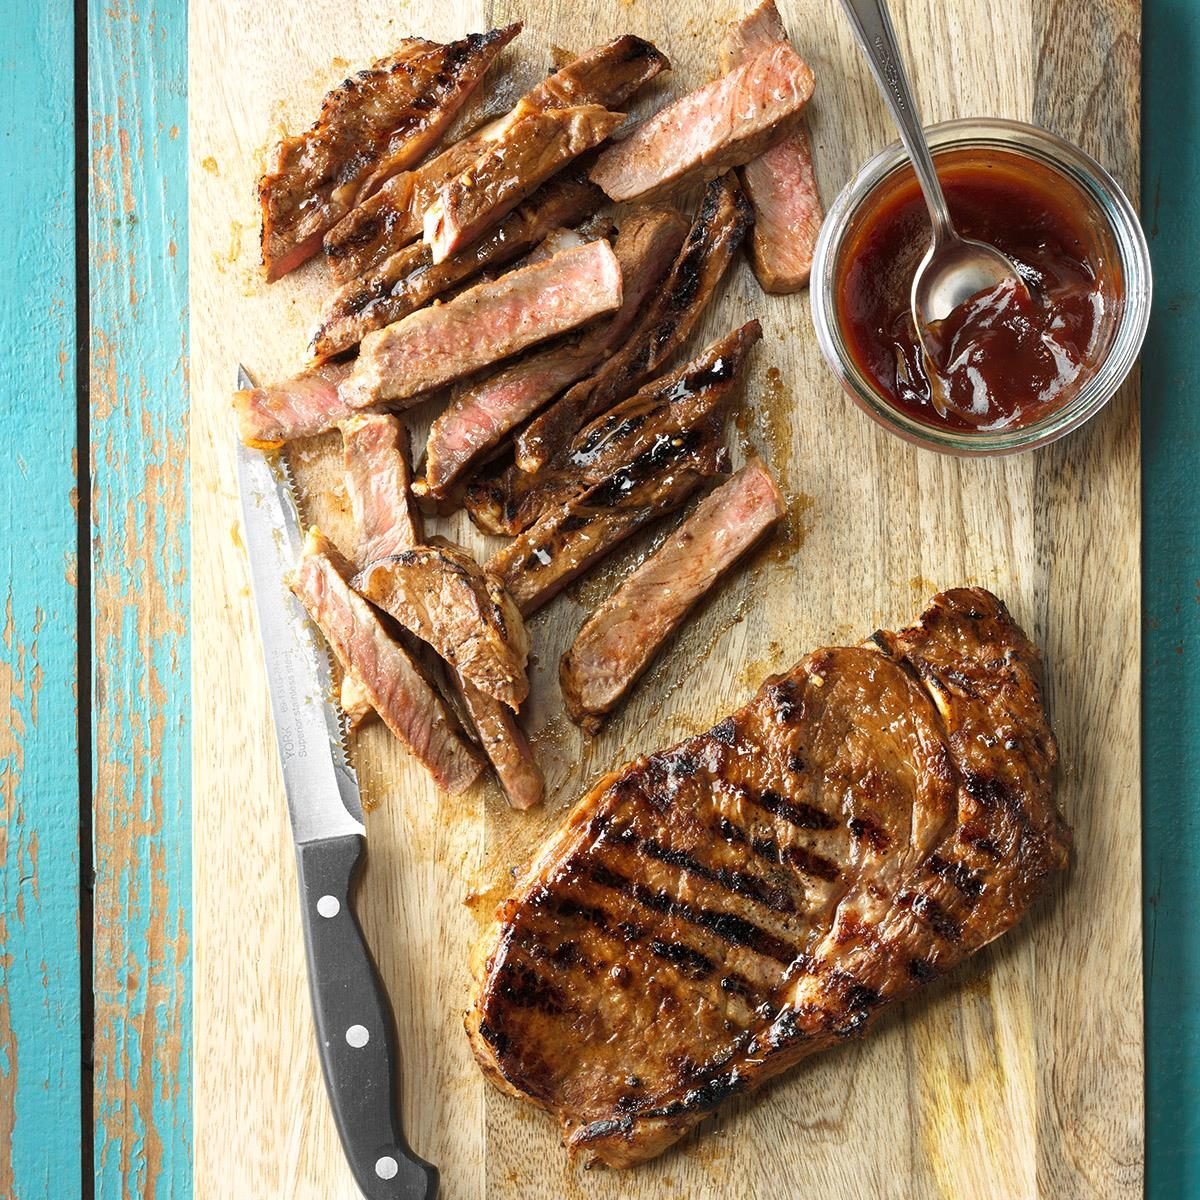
(954, 268)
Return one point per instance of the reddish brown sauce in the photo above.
(1003, 359)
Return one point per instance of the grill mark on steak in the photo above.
(934, 915)
(741, 883)
(729, 927)
(795, 812)
(689, 962)
(958, 876)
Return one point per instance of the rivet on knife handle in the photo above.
(354, 1028)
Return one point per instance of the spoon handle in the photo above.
(873, 31)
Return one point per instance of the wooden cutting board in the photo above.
(1020, 1076)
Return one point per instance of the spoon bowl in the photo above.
(954, 270)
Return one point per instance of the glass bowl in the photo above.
(1097, 189)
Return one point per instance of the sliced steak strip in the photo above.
(408, 280)
(607, 75)
(376, 457)
(482, 414)
(720, 226)
(781, 183)
(721, 125)
(396, 110)
(301, 407)
(483, 325)
(394, 687)
(565, 541)
(713, 913)
(536, 145)
(442, 595)
(507, 747)
(619, 640)
(681, 400)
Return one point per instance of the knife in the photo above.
(350, 1006)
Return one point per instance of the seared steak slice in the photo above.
(721, 125)
(395, 111)
(408, 280)
(685, 399)
(607, 75)
(721, 223)
(619, 640)
(391, 683)
(482, 414)
(483, 325)
(441, 594)
(375, 454)
(565, 541)
(536, 145)
(780, 182)
(713, 913)
(505, 744)
(300, 407)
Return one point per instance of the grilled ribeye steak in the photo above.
(713, 913)
(386, 678)
(305, 405)
(649, 429)
(538, 145)
(375, 455)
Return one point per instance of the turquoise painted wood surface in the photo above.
(40, 1035)
(137, 262)
(137, 71)
(1171, 600)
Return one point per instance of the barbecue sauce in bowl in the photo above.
(1001, 360)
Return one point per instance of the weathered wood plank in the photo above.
(137, 82)
(40, 1047)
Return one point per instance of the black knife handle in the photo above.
(354, 1027)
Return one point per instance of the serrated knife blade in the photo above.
(320, 784)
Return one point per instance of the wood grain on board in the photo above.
(1018, 1077)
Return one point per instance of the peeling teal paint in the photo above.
(141, 824)
(40, 1038)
